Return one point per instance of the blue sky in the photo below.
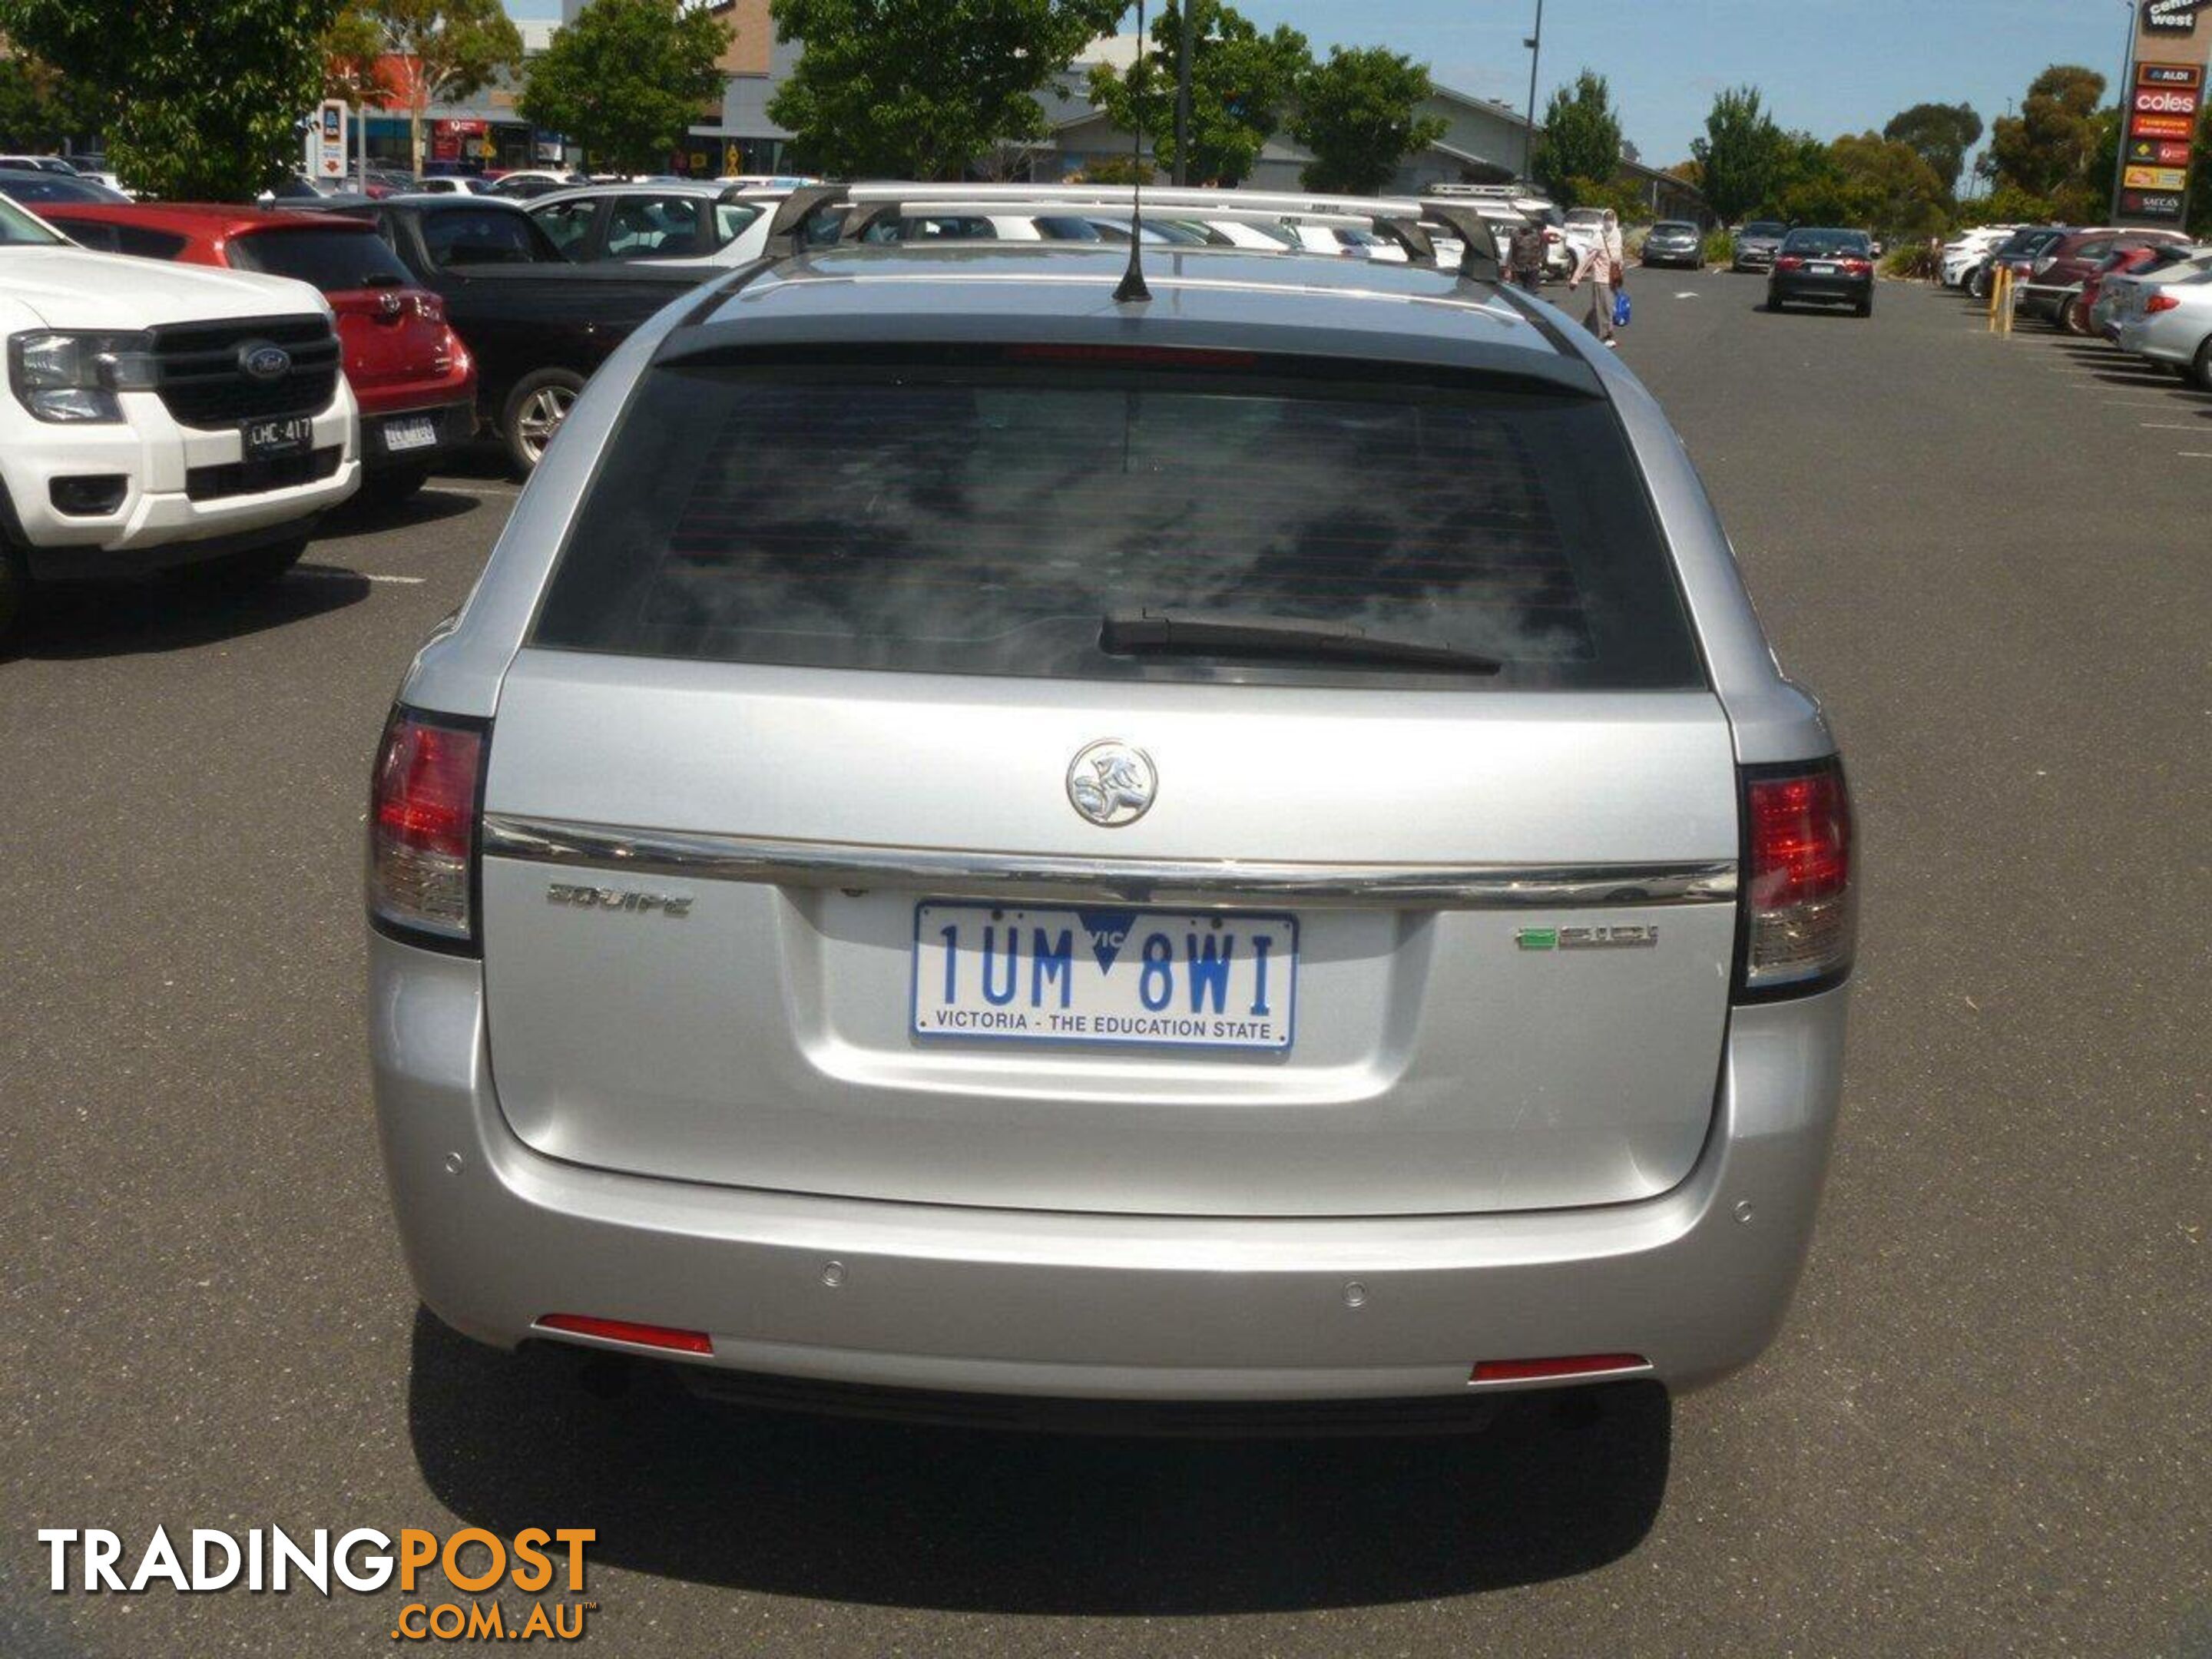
(1829, 66)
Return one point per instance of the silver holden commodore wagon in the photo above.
(976, 842)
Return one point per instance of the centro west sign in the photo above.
(2162, 99)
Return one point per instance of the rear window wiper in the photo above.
(1181, 634)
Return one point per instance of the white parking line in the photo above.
(2196, 454)
(474, 490)
(2169, 426)
(334, 574)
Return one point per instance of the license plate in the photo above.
(280, 434)
(417, 432)
(1824, 271)
(1157, 979)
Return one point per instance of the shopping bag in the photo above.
(1619, 308)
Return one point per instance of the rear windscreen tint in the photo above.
(333, 260)
(985, 520)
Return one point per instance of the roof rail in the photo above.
(1401, 218)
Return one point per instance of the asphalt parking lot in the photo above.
(1984, 1431)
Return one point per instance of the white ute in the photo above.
(160, 416)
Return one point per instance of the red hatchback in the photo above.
(414, 379)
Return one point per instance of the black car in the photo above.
(33, 188)
(537, 324)
(1830, 267)
(2019, 250)
(1675, 242)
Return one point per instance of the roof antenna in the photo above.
(1132, 290)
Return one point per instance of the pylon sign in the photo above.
(2161, 107)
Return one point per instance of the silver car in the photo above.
(2166, 318)
(979, 841)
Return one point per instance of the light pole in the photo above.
(2127, 90)
(1183, 92)
(1535, 45)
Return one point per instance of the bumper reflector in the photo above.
(1552, 1370)
(623, 1330)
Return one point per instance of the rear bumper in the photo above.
(2144, 336)
(1065, 1305)
(1841, 289)
(452, 423)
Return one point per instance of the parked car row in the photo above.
(2148, 291)
(162, 416)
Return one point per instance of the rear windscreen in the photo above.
(333, 260)
(987, 519)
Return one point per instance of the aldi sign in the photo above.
(2168, 75)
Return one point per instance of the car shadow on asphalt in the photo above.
(72, 620)
(367, 515)
(891, 1515)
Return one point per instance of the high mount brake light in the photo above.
(425, 803)
(1800, 909)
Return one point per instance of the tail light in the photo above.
(1858, 267)
(2162, 302)
(1800, 911)
(424, 806)
(1789, 262)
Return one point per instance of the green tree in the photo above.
(1864, 179)
(445, 51)
(207, 108)
(2200, 199)
(1240, 82)
(627, 77)
(39, 106)
(2047, 149)
(1356, 113)
(1581, 139)
(1740, 157)
(1940, 135)
(901, 89)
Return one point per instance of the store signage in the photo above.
(2164, 206)
(2161, 126)
(2159, 152)
(2166, 100)
(327, 141)
(2171, 16)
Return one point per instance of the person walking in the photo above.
(1525, 256)
(1602, 266)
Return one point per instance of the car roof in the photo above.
(210, 219)
(1206, 298)
(451, 202)
(705, 191)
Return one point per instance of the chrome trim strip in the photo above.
(1214, 883)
